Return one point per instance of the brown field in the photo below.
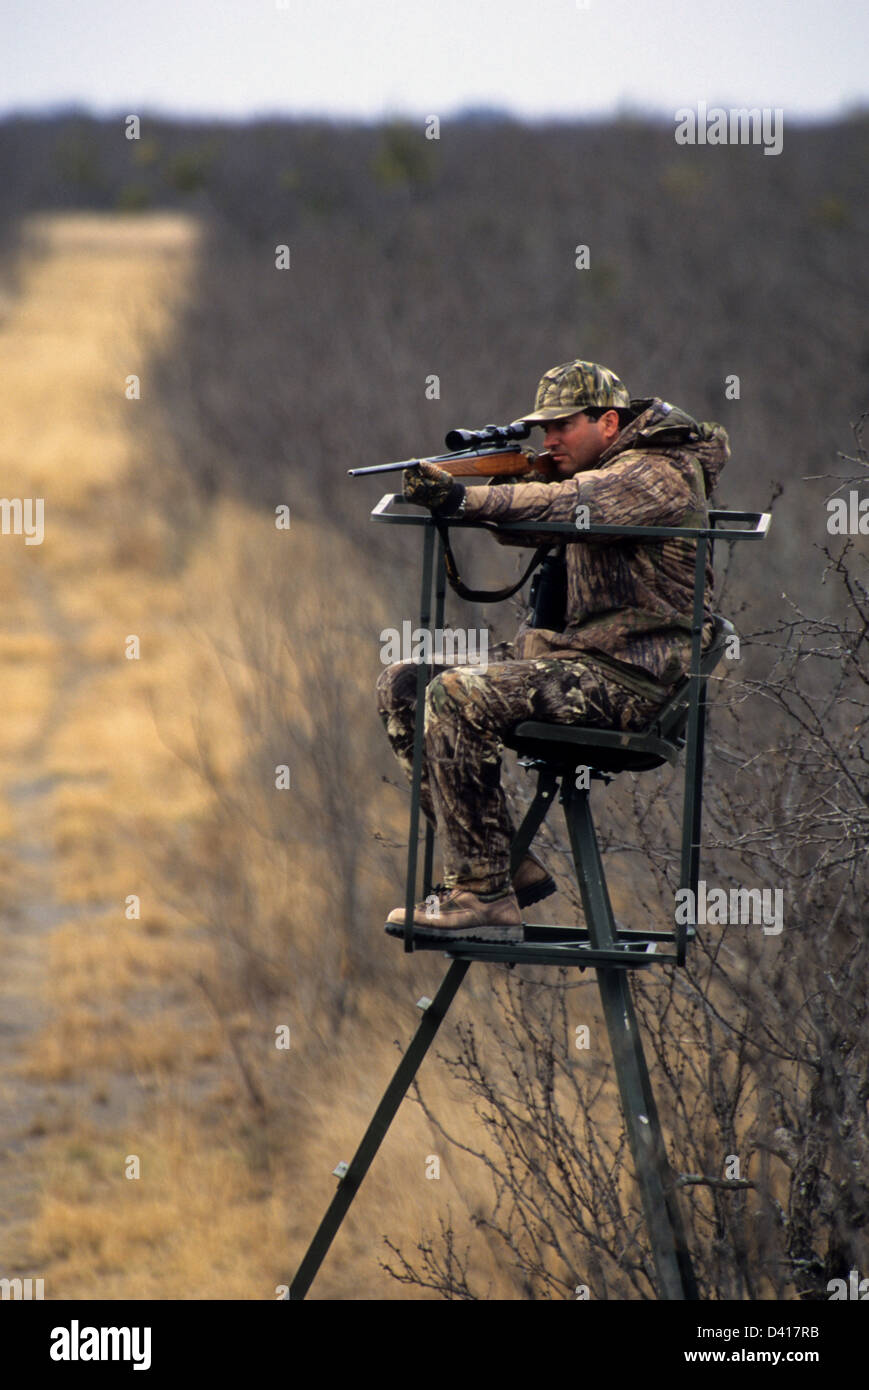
(116, 1050)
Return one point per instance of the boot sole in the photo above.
(493, 933)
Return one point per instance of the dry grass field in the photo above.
(126, 1035)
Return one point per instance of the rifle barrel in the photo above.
(456, 456)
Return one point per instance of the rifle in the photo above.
(472, 453)
(487, 453)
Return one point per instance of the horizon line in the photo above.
(471, 113)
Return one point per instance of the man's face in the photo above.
(576, 443)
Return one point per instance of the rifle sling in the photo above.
(483, 595)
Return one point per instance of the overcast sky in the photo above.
(368, 58)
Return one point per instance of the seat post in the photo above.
(652, 1170)
(587, 863)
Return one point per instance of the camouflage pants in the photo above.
(467, 712)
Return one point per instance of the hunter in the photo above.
(608, 639)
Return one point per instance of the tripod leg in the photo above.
(672, 1260)
(534, 817)
(376, 1132)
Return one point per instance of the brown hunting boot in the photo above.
(458, 914)
(532, 881)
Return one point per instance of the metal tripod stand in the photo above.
(555, 752)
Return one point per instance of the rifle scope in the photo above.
(495, 435)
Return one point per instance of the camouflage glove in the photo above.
(432, 487)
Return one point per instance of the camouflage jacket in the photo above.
(629, 604)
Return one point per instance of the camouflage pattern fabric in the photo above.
(574, 385)
(428, 485)
(467, 712)
(626, 639)
(629, 602)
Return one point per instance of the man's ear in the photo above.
(611, 426)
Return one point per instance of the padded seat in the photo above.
(568, 746)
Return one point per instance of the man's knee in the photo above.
(396, 686)
(463, 693)
(446, 693)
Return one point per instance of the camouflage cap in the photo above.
(573, 386)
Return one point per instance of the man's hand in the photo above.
(432, 487)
